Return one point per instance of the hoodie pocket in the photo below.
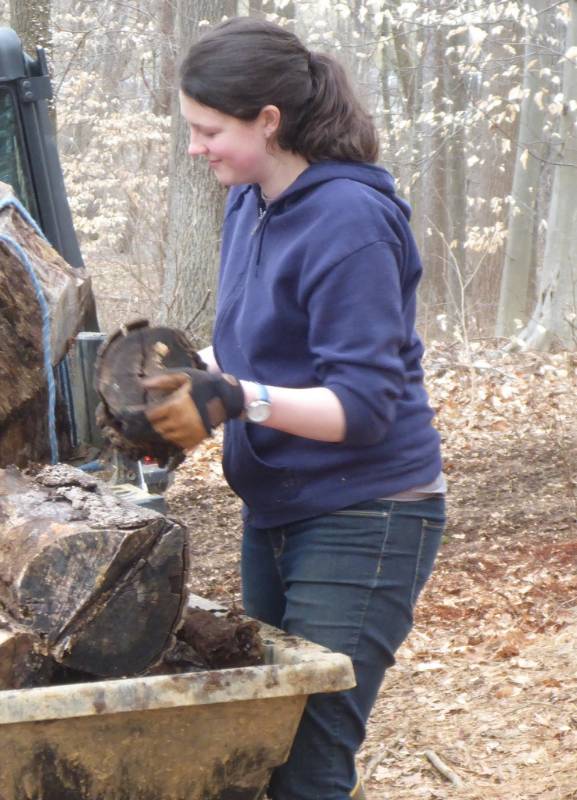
(260, 484)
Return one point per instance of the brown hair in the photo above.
(244, 64)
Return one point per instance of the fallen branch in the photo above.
(442, 768)
(374, 762)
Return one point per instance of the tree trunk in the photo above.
(100, 583)
(518, 264)
(31, 21)
(434, 206)
(166, 76)
(195, 207)
(554, 319)
(456, 189)
(67, 292)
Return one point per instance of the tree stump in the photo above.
(23, 410)
(99, 583)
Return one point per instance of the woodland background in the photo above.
(476, 104)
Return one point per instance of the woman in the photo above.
(317, 368)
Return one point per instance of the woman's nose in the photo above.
(196, 148)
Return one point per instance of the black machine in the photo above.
(30, 164)
(29, 159)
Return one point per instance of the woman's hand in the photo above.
(197, 402)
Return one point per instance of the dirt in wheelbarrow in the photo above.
(482, 702)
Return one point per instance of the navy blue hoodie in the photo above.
(319, 290)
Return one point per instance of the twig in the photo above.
(198, 312)
(441, 368)
(441, 767)
(536, 703)
(376, 759)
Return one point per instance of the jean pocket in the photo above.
(430, 540)
(373, 509)
(360, 513)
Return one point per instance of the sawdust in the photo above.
(487, 680)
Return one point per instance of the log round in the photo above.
(99, 581)
(134, 352)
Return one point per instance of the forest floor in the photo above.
(487, 681)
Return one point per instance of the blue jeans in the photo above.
(349, 581)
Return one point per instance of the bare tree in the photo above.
(554, 319)
(433, 181)
(519, 262)
(456, 183)
(31, 21)
(195, 204)
(166, 79)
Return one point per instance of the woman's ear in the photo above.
(269, 117)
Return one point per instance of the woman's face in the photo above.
(236, 150)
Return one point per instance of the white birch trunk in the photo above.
(555, 315)
(518, 264)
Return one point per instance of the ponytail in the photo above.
(244, 64)
(335, 125)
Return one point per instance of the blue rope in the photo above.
(46, 330)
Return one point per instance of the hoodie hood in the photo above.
(316, 174)
(325, 171)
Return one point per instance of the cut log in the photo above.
(222, 642)
(134, 352)
(23, 410)
(100, 581)
(23, 665)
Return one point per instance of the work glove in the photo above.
(198, 402)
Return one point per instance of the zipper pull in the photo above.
(261, 215)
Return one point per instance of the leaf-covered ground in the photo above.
(486, 686)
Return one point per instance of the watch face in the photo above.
(258, 411)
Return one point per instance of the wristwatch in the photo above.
(259, 410)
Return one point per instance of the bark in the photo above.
(222, 642)
(134, 352)
(195, 207)
(100, 582)
(22, 663)
(554, 320)
(23, 410)
(167, 68)
(404, 153)
(434, 205)
(519, 262)
(456, 191)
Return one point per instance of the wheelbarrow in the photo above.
(213, 735)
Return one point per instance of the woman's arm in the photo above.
(314, 413)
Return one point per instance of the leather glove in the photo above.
(198, 402)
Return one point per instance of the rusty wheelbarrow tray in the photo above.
(213, 735)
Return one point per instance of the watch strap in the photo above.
(263, 393)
